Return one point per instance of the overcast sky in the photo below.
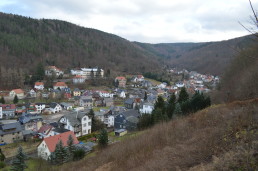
(152, 21)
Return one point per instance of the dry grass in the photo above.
(181, 144)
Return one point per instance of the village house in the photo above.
(78, 122)
(127, 120)
(53, 70)
(39, 85)
(44, 131)
(8, 110)
(108, 102)
(66, 106)
(60, 85)
(109, 119)
(48, 145)
(86, 101)
(137, 78)
(31, 122)
(17, 92)
(88, 72)
(76, 92)
(147, 108)
(55, 107)
(10, 133)
(32, 93)
(105, 94)
(79, 79)
(121, 81)
(40, 107)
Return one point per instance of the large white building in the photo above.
(147, 108)
(1, 113)
(78, 122)
(87, 72)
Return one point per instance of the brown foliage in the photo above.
(180, 144)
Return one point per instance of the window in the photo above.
(89, 123)
(85, 119)
(84, 125)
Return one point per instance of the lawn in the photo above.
(154, 82)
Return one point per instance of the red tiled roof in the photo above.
(18, 91)
(39, 83)
(44, 128)
(8, 106)
(60, 84)
(120, 78)
(53, 140)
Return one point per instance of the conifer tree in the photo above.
(15, 99)
(177, 112)
(183, 95)
(18, 164)
(145, 96)
(103, 138)
(2, 156)
(2, 100)
(171, 105)
(70, 147)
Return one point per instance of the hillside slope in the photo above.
(220, 137)
(24, 42)
(210, 57)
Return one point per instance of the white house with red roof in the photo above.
(50, 70)
(60, 85)
(121, 81)
(39, 85)
(48, 145)
(18, 92)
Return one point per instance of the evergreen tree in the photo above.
(103, 138)
(2, 156)
(108, 73)
(15, 99)
(96, 123)
(98, 72)
(171, 105)
(160, 103)
(116, 83)
(145, 121)
(70, 147)
(2, 100)
(40, 72)
(145, 96)
(18, 164)
(61, 154)
(79, 154)
(183, 95)
(177, 112)
(92, 74)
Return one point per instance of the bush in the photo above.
(2, 164)
(78, 154)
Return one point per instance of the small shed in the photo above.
(120, 132)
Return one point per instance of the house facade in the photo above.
(8, 110)
(78, 79)
(17, 92)
(121, 81)
(53, 70)
(39, 85)
(40, 107)
(55, 107)
(147, 108)
(60, 85)
(31, 122)
(10, 133)
(48, 145)
(127, 120)
(78, 122)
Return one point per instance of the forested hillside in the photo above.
(210, 57)
(25, 42)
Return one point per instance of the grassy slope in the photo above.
(194, 142)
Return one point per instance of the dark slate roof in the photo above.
(131, 113)
(54, 124)
(53, 105)
(30, 117)
(76, 89)
(86, 100)
(129, 101)
(12, 127)
(75, 117)
(60, 130)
